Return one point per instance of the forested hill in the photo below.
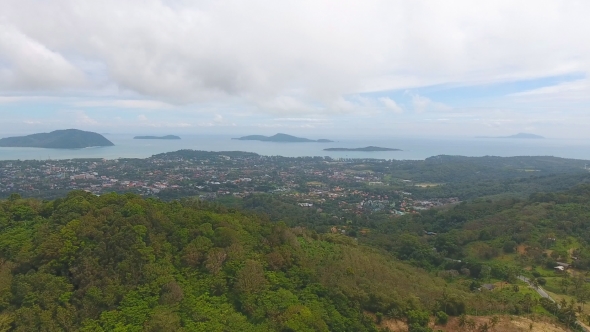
(58, 139)
(123, 263)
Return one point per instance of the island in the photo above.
(280, 138)
(58, 139)
(365, 149)
(157, 137)
(519, 136)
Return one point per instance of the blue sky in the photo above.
(377, 68)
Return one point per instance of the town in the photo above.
(358, 186)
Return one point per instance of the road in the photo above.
(539, 289)
(544, 294)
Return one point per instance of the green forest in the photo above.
(123, 262)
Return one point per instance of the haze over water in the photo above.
(413, 148)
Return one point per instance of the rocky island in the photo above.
(157, 137)
(365, 149)
(58, 139)
(280, 138)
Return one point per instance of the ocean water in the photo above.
(413, 148)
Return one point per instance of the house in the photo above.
(564, 265)
(559, 269)
(488, 286)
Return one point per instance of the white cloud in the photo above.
(77, 117)
(391, 104)
(276, 59)
(30, 65)
(575, 90)
(125, 103)
(422, 104)
(263, 50)
(301, 119)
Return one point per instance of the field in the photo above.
(427, 185)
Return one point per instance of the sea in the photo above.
(412, 148)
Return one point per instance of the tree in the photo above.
(441, 318)
(417, 317)
(251, 278)
(509, 247)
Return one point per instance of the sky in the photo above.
(424, 68)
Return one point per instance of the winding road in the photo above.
(544, 294)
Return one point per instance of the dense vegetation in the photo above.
(122, 263)
(262, 262)
(58, 139)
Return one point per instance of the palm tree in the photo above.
(563, 303)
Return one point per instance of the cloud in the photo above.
(77, 117)
(300, 119)
(9, 99)
(188, 62)
(422, 104)
(125, 103)
(262, 51)
(573, 91)
(30, 65)
(286, 104)
(391, 104)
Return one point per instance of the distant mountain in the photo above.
(519, 135)
(280, 138)
(525, 135)
(58, 139)
(157, 137)
(365, 149)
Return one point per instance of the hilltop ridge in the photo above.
(58, 139)
(280, 137)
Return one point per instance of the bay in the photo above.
(412, 148)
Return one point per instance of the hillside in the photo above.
(534, 237)
(119, 262)
(58, 139)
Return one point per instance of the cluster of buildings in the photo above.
(355, 185)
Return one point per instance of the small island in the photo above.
(58, 139)
(280, 138)
(365, 149)
(157, 137)
(518, 136)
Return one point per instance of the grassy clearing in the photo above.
(510, 324)
(427, 185)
